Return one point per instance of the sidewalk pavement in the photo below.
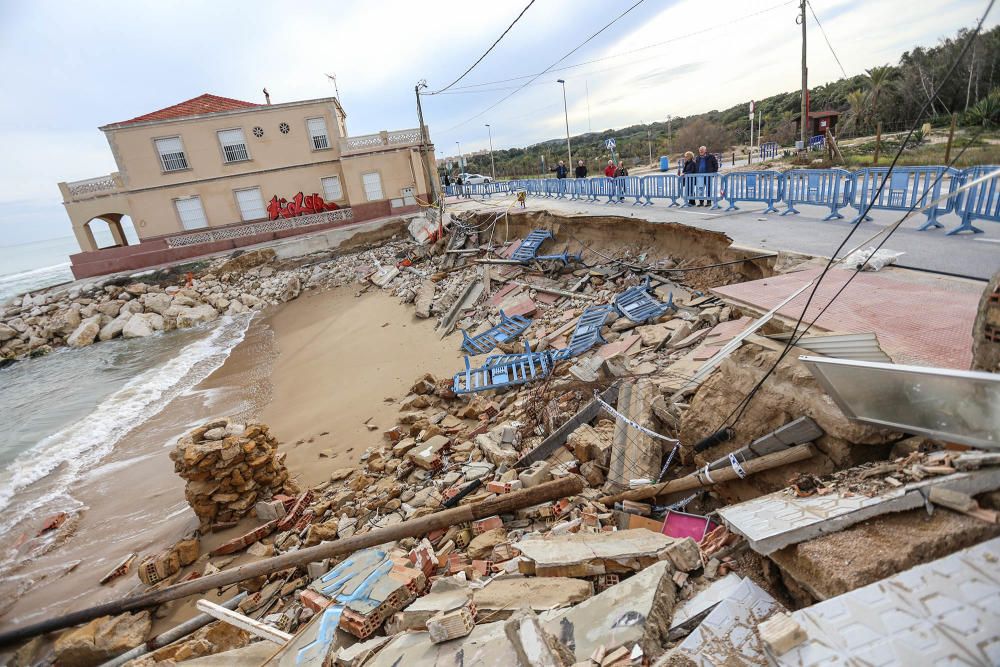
(965, 255)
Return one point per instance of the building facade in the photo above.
(214, 173)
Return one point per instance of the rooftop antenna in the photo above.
(267, 96)
(333, 78)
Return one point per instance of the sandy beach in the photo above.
(316, 369)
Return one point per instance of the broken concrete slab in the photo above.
(778, 519)
(704, 601)
(588, 554)
(447, 594)
(943, 612)
(637, 610)
(417, 649)
(500, 598)
(834, 564)
(728, 635)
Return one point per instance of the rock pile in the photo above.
(228, 468)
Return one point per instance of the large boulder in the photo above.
(6, 333)
(114, 328)
(85, 334)
(131, 307)
(141, 325)
(424, 299)
(156, 302)
(189, 317)
(102, 639)
(292, 288)
(110, 308)
(68, 320)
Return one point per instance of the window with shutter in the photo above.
(317, 133)
(373, 186)
(234, 146)
(191, 213)
(331, 188)
(171, 154)
(251, 204)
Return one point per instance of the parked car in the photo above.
(473, 179)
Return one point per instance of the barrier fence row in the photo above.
(906, 187)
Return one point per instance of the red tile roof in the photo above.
(202, 104)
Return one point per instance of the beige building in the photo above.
(214, 173)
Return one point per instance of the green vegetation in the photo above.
(888, 94)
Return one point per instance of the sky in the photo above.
(71, 67)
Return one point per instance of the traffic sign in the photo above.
(610, 143)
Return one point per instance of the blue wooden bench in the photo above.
(503, 370)
(637, 304)
(587, 332)
(509, 328)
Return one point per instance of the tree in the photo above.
(856, 101)
(985, 112)
(879, 80)
(700, 132)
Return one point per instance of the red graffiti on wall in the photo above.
(299, 205)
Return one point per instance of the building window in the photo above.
(234, 146)
(251, 204)
(191, 213)
(331, 188)
(171, 154)
(373, 186)
(317, 133)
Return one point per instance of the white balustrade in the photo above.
(92, 186)
(250, 229)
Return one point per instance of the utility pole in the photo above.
(804, 118)
(569, 149)
(586, 86)
(670, 135)
(649, 140)
(493, 167)
(430, 173)
(460, 167)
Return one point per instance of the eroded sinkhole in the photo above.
(655, 245)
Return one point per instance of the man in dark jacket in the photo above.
(581, 170)
(706, 164)
(561, 170)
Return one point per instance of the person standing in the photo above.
(609, 171)
(561, 170)
(447, 180)
(458, 185)
(581, 170)
(621, 172)
(707, 164)
(689, 167)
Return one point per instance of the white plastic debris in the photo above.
(870, 259)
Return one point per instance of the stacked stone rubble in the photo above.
(228, 468)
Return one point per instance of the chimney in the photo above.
(267, 96)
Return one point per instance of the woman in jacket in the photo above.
(690, 167)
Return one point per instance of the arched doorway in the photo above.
(110, 230)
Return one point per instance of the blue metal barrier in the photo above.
(535, 186)
(552, 187)
(630, 186)
(906, 188)
(509, 328)
(768, 150)
(817, 142)
(450, 191)
(981, 201)
(661, 186)
(577, 188)
(763, 186)
(820, 187)
(604, 187)
(702, 187)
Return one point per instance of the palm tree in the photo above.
(878, 79)
(856, 100)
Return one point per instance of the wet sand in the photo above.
(339, 358)
(315, 369)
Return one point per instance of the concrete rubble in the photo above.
(571, 581)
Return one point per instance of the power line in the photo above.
(827, 39)
(622, 54)
(574, 50)
(492, 46)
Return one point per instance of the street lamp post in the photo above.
(459, 144)
(569, 148)
(493, 167)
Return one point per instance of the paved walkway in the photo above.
(975, 256)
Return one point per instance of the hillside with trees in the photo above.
(892, 95)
